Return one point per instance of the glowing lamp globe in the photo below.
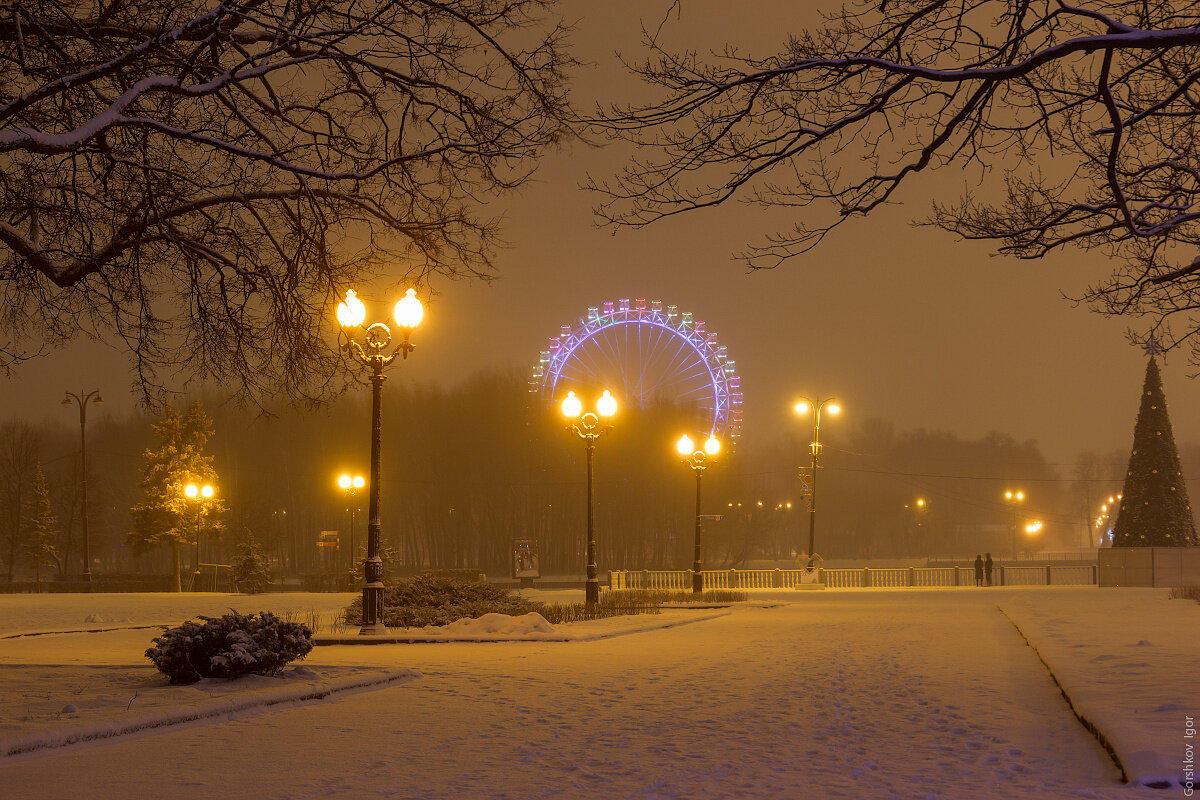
(606, 406)
(409, 310)
(351, 312)
(191, 490)
(358, 481)
(834, 409)
(571, 407)
(712, 446)
(206, 491)
(684, 445)
(801, 407)
(344, 482)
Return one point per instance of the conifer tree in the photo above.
(166, 516)
(251, 569)
(40, 528)
(1154, 511)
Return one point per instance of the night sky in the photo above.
(900, 323)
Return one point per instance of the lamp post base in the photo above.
(697, 582)
(372, 609)
(591, 592)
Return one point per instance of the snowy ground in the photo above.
(869, 693)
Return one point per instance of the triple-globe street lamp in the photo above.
(699, 460)
(351, 313)
(199, 495)
(817, 407)
(82, 401)
(350, 485)
(589, 428)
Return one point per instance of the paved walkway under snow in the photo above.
(896, 694)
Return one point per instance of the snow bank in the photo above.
(1125, 660)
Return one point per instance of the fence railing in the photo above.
(864, 578)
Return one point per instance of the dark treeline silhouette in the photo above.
(465, 470)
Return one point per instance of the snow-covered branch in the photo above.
(1089, 115)
(201, 178)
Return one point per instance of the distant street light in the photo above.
(817, 406)
(198, 495)
(350, 485)
(589, 429)
(82, 402)
(350, 315)
(1106, 520)
(1014, 498)
(698, 460)
(919, 508)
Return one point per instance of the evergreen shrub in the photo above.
(439, 599)
(229, 647)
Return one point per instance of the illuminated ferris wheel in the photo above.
(645, 354)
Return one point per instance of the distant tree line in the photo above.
(468, 469)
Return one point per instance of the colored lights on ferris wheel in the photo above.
(644, 350)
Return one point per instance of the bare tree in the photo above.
(19, 445)
(1083, 118)
(199, 179)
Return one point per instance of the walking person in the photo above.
(979, 570)
(987, 570)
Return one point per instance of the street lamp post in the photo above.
(816, 406)
(351, 485)
(82, 401)
(1014, 498)
(698, 460)
(197, 494)
(919, 508)
(589, 429)
(350, 314)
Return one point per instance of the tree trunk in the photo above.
(175, 548)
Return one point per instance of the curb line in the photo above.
(545, 638)
(47, 740)
(1090, 726)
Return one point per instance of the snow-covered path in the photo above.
(895, 694)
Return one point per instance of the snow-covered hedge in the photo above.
(229, 647)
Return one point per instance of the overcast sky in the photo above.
(901, 323)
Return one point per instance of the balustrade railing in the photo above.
(862, 578)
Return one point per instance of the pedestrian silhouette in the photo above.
(987, 570)
(979, 570)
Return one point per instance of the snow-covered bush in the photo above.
(439, 599)
(229, 647)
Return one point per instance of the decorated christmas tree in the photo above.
(1155, 511)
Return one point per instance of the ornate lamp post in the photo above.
(350, 314)
(589, 429)
(1014, 498)
(82, 402)
(699, 461)
(351, 485)
(197, 494)
(817, 406)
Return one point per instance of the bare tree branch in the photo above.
(1088, 115)
(202, 179)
